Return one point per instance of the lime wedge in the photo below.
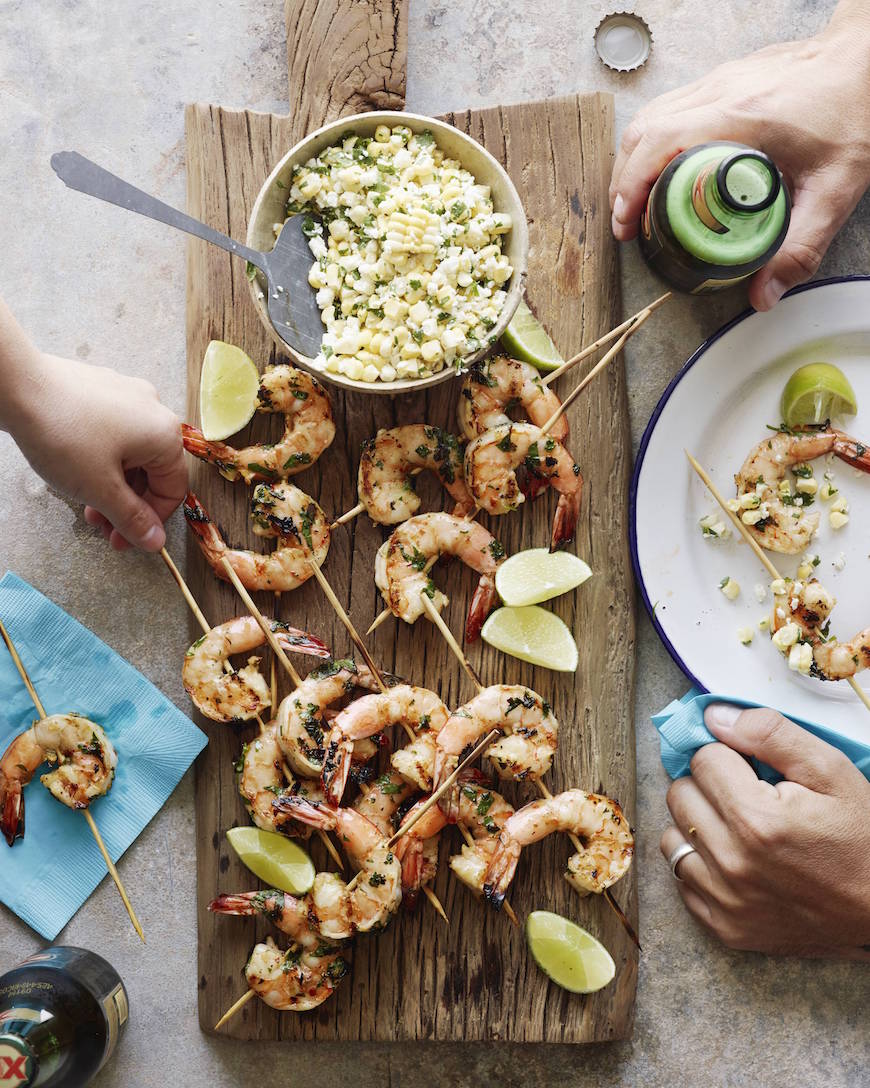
(538, 574)
(526, 338)
(815, 393)
(274, 859)
(532, 634)
(567, 954)
(228, 387)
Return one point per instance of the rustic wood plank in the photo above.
(419, 979)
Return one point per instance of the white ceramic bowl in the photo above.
(269, 209)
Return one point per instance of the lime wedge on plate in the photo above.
(567, 954)
(538, 574)
(228, 387)
(276, 860)
(815, 393)
(532, 634)
(526, 338)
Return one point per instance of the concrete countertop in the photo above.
(95, 283)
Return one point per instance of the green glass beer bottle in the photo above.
(715, 215)
(61, 1014)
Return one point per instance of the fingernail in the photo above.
(154, 539)
(721, 716)
(618, 207)
(774, 289)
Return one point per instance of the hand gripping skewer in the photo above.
(40, 709)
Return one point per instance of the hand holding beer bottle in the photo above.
(804, 104)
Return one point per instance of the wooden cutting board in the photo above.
(421, 979)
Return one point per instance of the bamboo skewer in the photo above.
(248, 602)
(348, 515)
(440, 623)
(234, 1008)
(629, 323)
(98, 838)
(759, 551)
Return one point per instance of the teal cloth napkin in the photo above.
(49, 874)
(682, 732)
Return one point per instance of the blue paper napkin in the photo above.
(682, 732)
(49, 874)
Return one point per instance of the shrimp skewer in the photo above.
(281, 511)
(605, 853)
(308, 430)
(756, 547)
(237, 695)
(498, 384)
(418, 708)
(807, 606)
(98, 838)
(304, 976)
(400, 565)
(492, 462)
(778, 526)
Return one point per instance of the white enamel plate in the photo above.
(718, 407)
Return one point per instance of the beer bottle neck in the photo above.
(734, 189)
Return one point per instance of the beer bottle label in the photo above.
(17, 1064)
(116, 1010)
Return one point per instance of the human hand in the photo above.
(105, 440)
(804, 103)
(780, 869)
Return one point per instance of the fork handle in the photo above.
(80, 173)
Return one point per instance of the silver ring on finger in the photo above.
(677, 855)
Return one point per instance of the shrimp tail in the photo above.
(215, 453)
(206, 532)
(531, 484)
(312, 813)
(336, 768)
(240, 904)
(852, 451)
(566, 517)
(500, 871)
(482, 604)
(300, 642)
(409, 851)
(11, 810)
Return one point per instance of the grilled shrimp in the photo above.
(400, 564)
(85, 769)
(809, 606)
(383, 801)
(294, 981)
(281, 511)
(495, 386)
(390, 461)
(308, 430)
(484, 812)
(491, 463)
(303, 977)
(239, 695)
(781, 527)
(371, 714)
(417, 850)
(378, 892)
(263, 774)
(302, 721)
(608, 841)
(525, 752)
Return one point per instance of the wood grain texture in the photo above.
(421, 980)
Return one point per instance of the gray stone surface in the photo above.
(93, 282)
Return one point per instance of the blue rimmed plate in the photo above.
(718, 407)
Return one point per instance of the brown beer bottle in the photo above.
(715, 215)
(61, 1014)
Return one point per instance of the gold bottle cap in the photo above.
(623, 41)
